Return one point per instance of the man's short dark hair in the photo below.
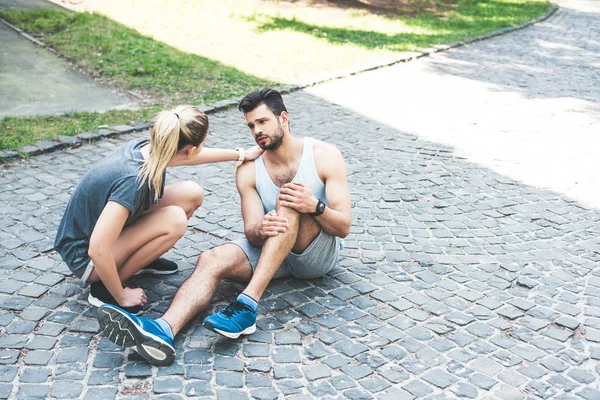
(270, 97)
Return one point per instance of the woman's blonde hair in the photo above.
(172, 131)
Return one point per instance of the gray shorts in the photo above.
(316, 260)
(75, 255)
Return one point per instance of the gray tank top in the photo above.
(307, 173)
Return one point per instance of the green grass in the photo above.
(217, 51)
(468, 18)
(19, 131)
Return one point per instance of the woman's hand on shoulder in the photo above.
(253, 153)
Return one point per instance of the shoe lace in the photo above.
(234, 308)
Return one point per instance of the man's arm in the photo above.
(336, 219)
(257, 226)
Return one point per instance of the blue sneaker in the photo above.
(235, 320)
(143, 335)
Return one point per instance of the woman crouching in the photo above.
(121, 218)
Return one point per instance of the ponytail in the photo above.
(185, 125)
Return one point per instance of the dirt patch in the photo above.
(388, 8)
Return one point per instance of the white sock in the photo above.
(166, 327)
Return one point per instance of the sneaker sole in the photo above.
(99, 303)
(155, 272)
(248, 331)
(121, 330)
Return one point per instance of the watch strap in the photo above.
(319, 209)
(241, 156)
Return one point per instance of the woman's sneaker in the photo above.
(160, 266)
(143, 335)
(99, 296)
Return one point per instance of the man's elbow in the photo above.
(251, 238)
(345, 231)
(248, 237)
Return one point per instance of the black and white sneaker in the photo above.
(99, 295)
(160, 266)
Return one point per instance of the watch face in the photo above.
(321, 206)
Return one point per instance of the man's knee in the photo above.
(219, 261)
(208, 261)
(286, 212)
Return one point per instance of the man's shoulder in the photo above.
(326, 152)
(328, 159)
(245, 174)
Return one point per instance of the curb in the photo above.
(29, 37)
(47, 146)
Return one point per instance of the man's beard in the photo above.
(276, 140)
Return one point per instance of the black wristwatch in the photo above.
(320, 209)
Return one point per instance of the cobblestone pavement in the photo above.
(463, 276)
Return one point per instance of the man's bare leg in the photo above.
(153, 339)
(226, 261)
(302, 230)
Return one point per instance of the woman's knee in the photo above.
(176, 220)
(194, 193)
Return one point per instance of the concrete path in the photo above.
(26, 4)
(526, 104)
(34, 81)
(464, 276)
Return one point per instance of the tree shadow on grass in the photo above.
(363, 38)
(471, 19)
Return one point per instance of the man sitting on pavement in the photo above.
(296, 208)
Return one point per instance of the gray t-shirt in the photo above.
(115, 178)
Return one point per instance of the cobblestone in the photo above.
(418, 388)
